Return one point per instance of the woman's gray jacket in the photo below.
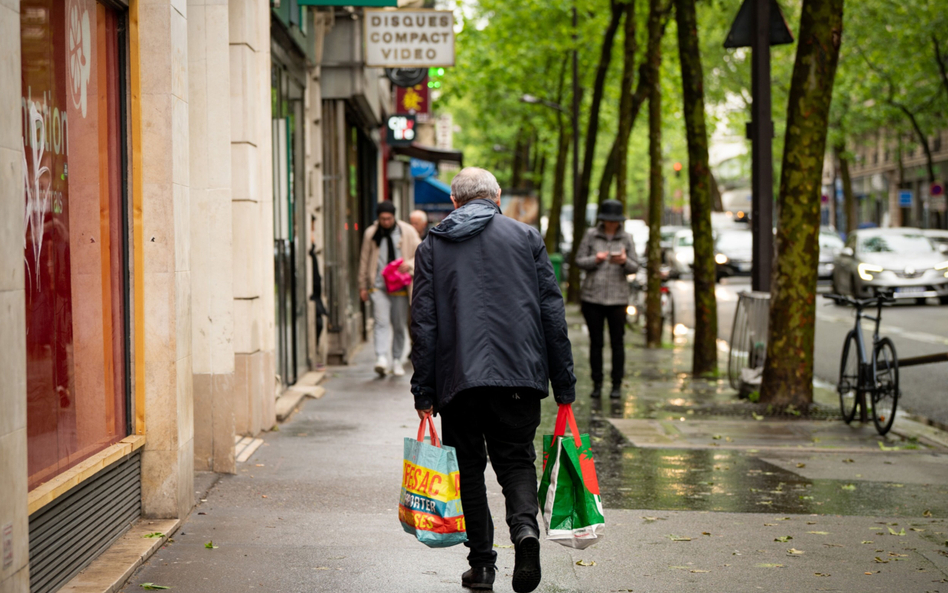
(605, 282)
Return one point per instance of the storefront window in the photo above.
(75, 242)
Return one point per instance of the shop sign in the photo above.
(413, 99)
(409, 38)
(906, 196)
(400, 129)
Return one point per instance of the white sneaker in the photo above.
(381, 366)
(397, 369)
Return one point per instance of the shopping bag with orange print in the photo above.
(430, 503)
(569, 490)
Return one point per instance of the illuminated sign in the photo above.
(400, 129)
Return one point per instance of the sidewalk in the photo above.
(710, 499)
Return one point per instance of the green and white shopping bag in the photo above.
(569, 490)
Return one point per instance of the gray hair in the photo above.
(473, 183)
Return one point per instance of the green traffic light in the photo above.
(440, 71)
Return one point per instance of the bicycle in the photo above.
(860, 376)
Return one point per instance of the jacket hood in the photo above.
(467, 221)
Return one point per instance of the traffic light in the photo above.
(434, 77)
(677, 168)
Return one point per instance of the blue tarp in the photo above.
(432, 194)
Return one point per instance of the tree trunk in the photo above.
(849, 199)
(700, 182)
(653, 305)
(627, 107)
(942, 66)
(592, 129)
(559, 178)
(609, 171)
(788, 371)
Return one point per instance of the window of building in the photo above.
(75, 244)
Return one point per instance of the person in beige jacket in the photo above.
(384, 242)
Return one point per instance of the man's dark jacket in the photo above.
(486, 310)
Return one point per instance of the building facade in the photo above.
(172, 174)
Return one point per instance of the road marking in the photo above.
(890, 330)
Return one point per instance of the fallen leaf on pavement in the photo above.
(927, 513)
(653, 519)
(801, 465)
(770, 566)
(585, 563)
(679, 538)
(321, 568)
(783, 538)
(154, 534)
(210, 545)
(894, 532)
(500, 546)
(822, 574)
(153, 587)
(880, 560)
(867, 541)
(696, 570)
(819, 532)
(705, 533)
(795, 552)
(757, 416)
(848, 487)
(849, 461)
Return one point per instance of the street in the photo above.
(914, 329)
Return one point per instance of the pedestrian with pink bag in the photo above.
(386, 266)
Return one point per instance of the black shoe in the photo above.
(480, 578)
(526, 574)
(597, 391)
(616, 392)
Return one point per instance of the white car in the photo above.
(681, 252)
(899, 259)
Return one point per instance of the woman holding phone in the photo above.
(608, 256)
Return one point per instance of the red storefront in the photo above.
(75, 176)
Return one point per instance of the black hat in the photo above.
(387, 206)
(611, 210)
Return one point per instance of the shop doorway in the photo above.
(289, 213)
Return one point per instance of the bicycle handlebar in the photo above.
(881, 298)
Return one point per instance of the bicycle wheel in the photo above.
(848, 385)
(885, 375)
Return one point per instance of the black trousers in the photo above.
(596, 316)
(501, 423)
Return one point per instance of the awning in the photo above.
(432, 194)
(430, 153)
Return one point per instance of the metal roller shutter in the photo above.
(69, 533)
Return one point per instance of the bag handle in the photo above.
(431, 427)
(563, 417)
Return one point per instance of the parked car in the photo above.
(830, 245)
(681, 253)
(901, 259)
(939, 236)
(733, 253)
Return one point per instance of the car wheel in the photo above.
(921, 301)
(853, 290)
(943, 300)
(835, 285)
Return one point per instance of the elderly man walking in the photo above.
(384, 242)
(489, 332)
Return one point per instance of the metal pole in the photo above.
(575, 120)
(762, 169)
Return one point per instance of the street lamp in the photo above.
(538, 101)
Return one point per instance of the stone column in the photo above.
(168, 459)
(252, 214)
(13, 465)
(212, 295)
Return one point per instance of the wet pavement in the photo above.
(675, 443)
(715, 506)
